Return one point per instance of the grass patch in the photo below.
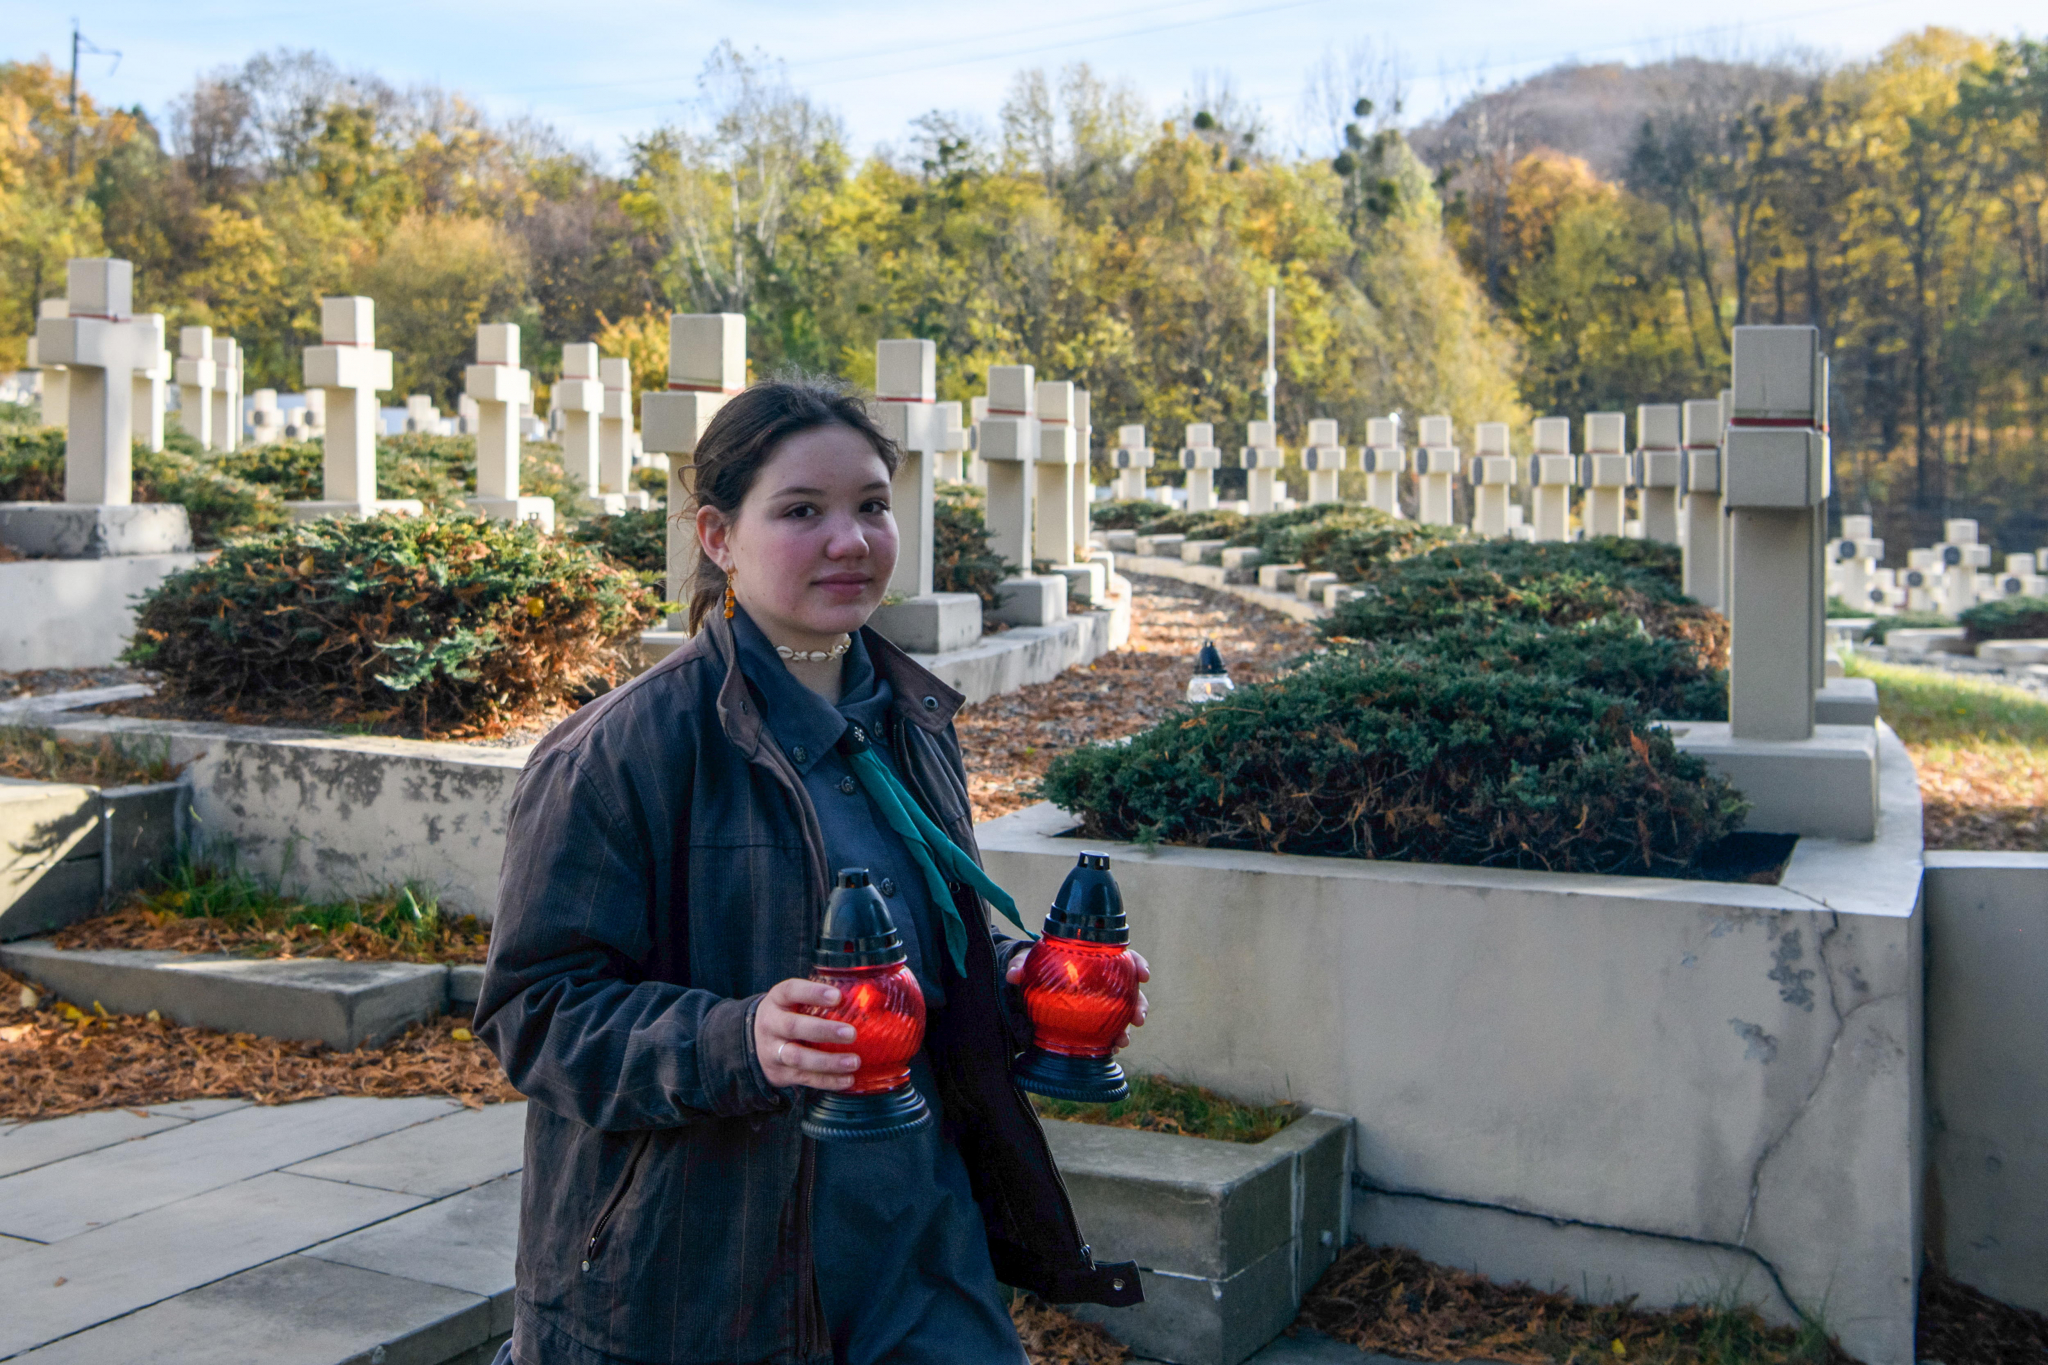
(202, 907)
(1159, 1105)
(1981, 751)
(1389, 1300)
(39, 756)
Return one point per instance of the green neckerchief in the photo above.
(936, 854)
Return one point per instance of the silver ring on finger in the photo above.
(778, 1052)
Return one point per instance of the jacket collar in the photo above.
(920, 698)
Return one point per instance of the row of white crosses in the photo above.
(1032, 442)
(102, 347)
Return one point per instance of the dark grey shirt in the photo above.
(809, 728)
(902, 1258)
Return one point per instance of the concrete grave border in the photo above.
(1626, 1085)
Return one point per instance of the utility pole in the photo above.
(1272, 375)
(71, 144)
(80, 43)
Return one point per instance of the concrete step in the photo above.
(341, 1004)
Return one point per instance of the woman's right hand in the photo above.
(781, 1031)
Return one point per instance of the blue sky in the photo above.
(603, 72)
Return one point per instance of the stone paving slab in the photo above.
(467, 1242)
(69, 1197)
(24, 1146)
(57, 1290)
(297, 1311)
(437, 1158)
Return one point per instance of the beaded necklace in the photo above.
(816, 656)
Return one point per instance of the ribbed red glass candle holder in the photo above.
(860, 952)
(1080, 986)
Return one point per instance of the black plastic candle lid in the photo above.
(858, 931)
(1090, 905)
(1209, 663)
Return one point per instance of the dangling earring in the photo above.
(729, 574)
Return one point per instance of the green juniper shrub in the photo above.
(2007, 618)
(1613, 654)
(961, 558)
(290, 469)
(20, 415)
(1210, 525)
(636, 540)
(32, 465)
(1882, 626)
(1124, 516)
(1353, 543)
(1839, 608)
(219, 504)
(1550, 583)
(421, 624)
(1413, 759)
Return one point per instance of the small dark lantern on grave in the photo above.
(1212, 680)
(861, 953)
(1081, 990)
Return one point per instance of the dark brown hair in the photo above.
(743, 436)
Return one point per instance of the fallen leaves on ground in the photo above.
(1390, 1300)
(59, 1059)
(457, 941)
(1050, 1337)
(41, 682)
(1960, 1326)
(1983, 795)
(1009, 740)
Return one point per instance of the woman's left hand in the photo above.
(1015, 975)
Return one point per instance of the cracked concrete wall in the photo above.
(333, 817)
(1987, 1071)
(1615, 1086)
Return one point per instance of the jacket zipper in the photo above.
(604, 1217)
(1016, 1095)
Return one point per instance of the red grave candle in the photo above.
(1080, 987)
(860, 952)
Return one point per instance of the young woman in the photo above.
(668, 857)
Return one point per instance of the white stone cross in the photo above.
(579, 396)
(146, 414)
(2022, 578)
(196, 378)
(1130, 457)
(227, 393)
(53, 380)
(421, 416)
(500, 388)
(1201, 458)
(1775, 480)
(906, 409)
(101, 345)
(1492, 477)
(350, 371)
(266, 420)
(1852, 565)
(1660, 468)
(950, 454)
(615, 438)
(1052, 522)
(1323, 457)
(1009, 448)
(1960, 558)
(707, 365)
(1551, 476)
(1436, 465)
(1261, 457)
(1705, 532)
(1081, 480)
(1605, 473)
(1384, 460)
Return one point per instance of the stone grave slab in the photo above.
(440, 1157)
(469, 1242)
(24, 1146)
(71, 1197)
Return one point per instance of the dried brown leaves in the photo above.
(455, 942)
(1984, 795)
(56, 1059)
(1388, 1299)
(1050, 1337)
(1009, 740)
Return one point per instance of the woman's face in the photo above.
(813, 543)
